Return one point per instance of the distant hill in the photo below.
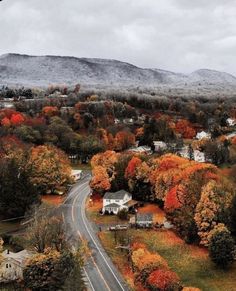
(16, 69)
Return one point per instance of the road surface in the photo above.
(101, 273)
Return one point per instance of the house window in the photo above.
(7, 266)
(108, 200)
(118, 201)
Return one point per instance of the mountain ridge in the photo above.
(30, 70)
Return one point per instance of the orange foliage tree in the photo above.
(100, 181)
(124, 140)
(50, 111)
(185, 128)
(163, 280)
(6, 122)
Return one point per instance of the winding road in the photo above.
(101, 273)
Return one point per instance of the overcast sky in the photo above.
(178, 35)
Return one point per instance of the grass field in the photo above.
(190, 262)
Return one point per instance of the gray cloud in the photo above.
(179, 35)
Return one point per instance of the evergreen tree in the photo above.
(17, 193)
(221, 249)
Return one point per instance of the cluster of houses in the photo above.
(113, 202)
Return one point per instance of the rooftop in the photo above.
(140, 217)
(116, 195)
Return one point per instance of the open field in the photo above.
(190, 262)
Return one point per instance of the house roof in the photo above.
(114, 205)
(20, 257)
(144, 217)
(119, 195)
(131, 203)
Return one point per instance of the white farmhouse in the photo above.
(203, 134)
(196, 155)
(114, 202)
(184, 152)
(230, 122)
(12, 265)
(141, 150)
(199, 156)
(160, 145)
(76, 174)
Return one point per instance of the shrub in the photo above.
(221, 248)
(163, 280)
(123, 214)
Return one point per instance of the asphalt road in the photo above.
(100, 272)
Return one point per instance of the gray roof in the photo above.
(146, 217)
(116, 195)
(112, 205)
(19, 257)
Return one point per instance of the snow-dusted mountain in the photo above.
(27, 70)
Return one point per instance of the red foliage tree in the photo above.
(6, 122)
(185, 128)
(163, 280)
(172, 201)
(131, 168)
(17, 119)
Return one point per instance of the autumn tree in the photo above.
(49, 111)
(185, 128)
(100, 181)
(50, 168)
(53, 267)
(215, 199)
(46, 231)
(124, 140)
(163, 280)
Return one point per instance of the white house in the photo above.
(141, 150)
(203, 134)
(114, 202)
(160, 145)
(12, 265)
(199, 156)
(76, 174)
(230, 122)
(184, 152)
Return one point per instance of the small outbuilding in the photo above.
(144, 220)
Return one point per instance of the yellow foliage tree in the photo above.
(50, 167)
